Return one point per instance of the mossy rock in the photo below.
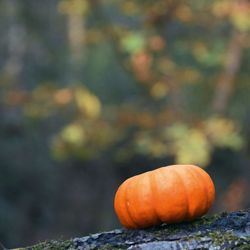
(222, 231)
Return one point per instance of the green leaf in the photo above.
(133, 42)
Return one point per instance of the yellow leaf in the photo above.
(73, 134)
(223, 132)
(159, 90)
(193, 148)
(189, 145)
(241, 21)
(87, 103)
(75, 7)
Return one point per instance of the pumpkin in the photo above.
(168, 194)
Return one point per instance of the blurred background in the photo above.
(94, 91)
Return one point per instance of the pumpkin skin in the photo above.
(168, 194)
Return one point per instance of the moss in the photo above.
(224, 238)
(219, 238)
(161, 232)
(206, 220)
(52, 245)
(244, 247)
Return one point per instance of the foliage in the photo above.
(112, 81)
(186, 79)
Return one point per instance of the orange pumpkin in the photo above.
(169, 194)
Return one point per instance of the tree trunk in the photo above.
(15, 42)
(225, 86)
